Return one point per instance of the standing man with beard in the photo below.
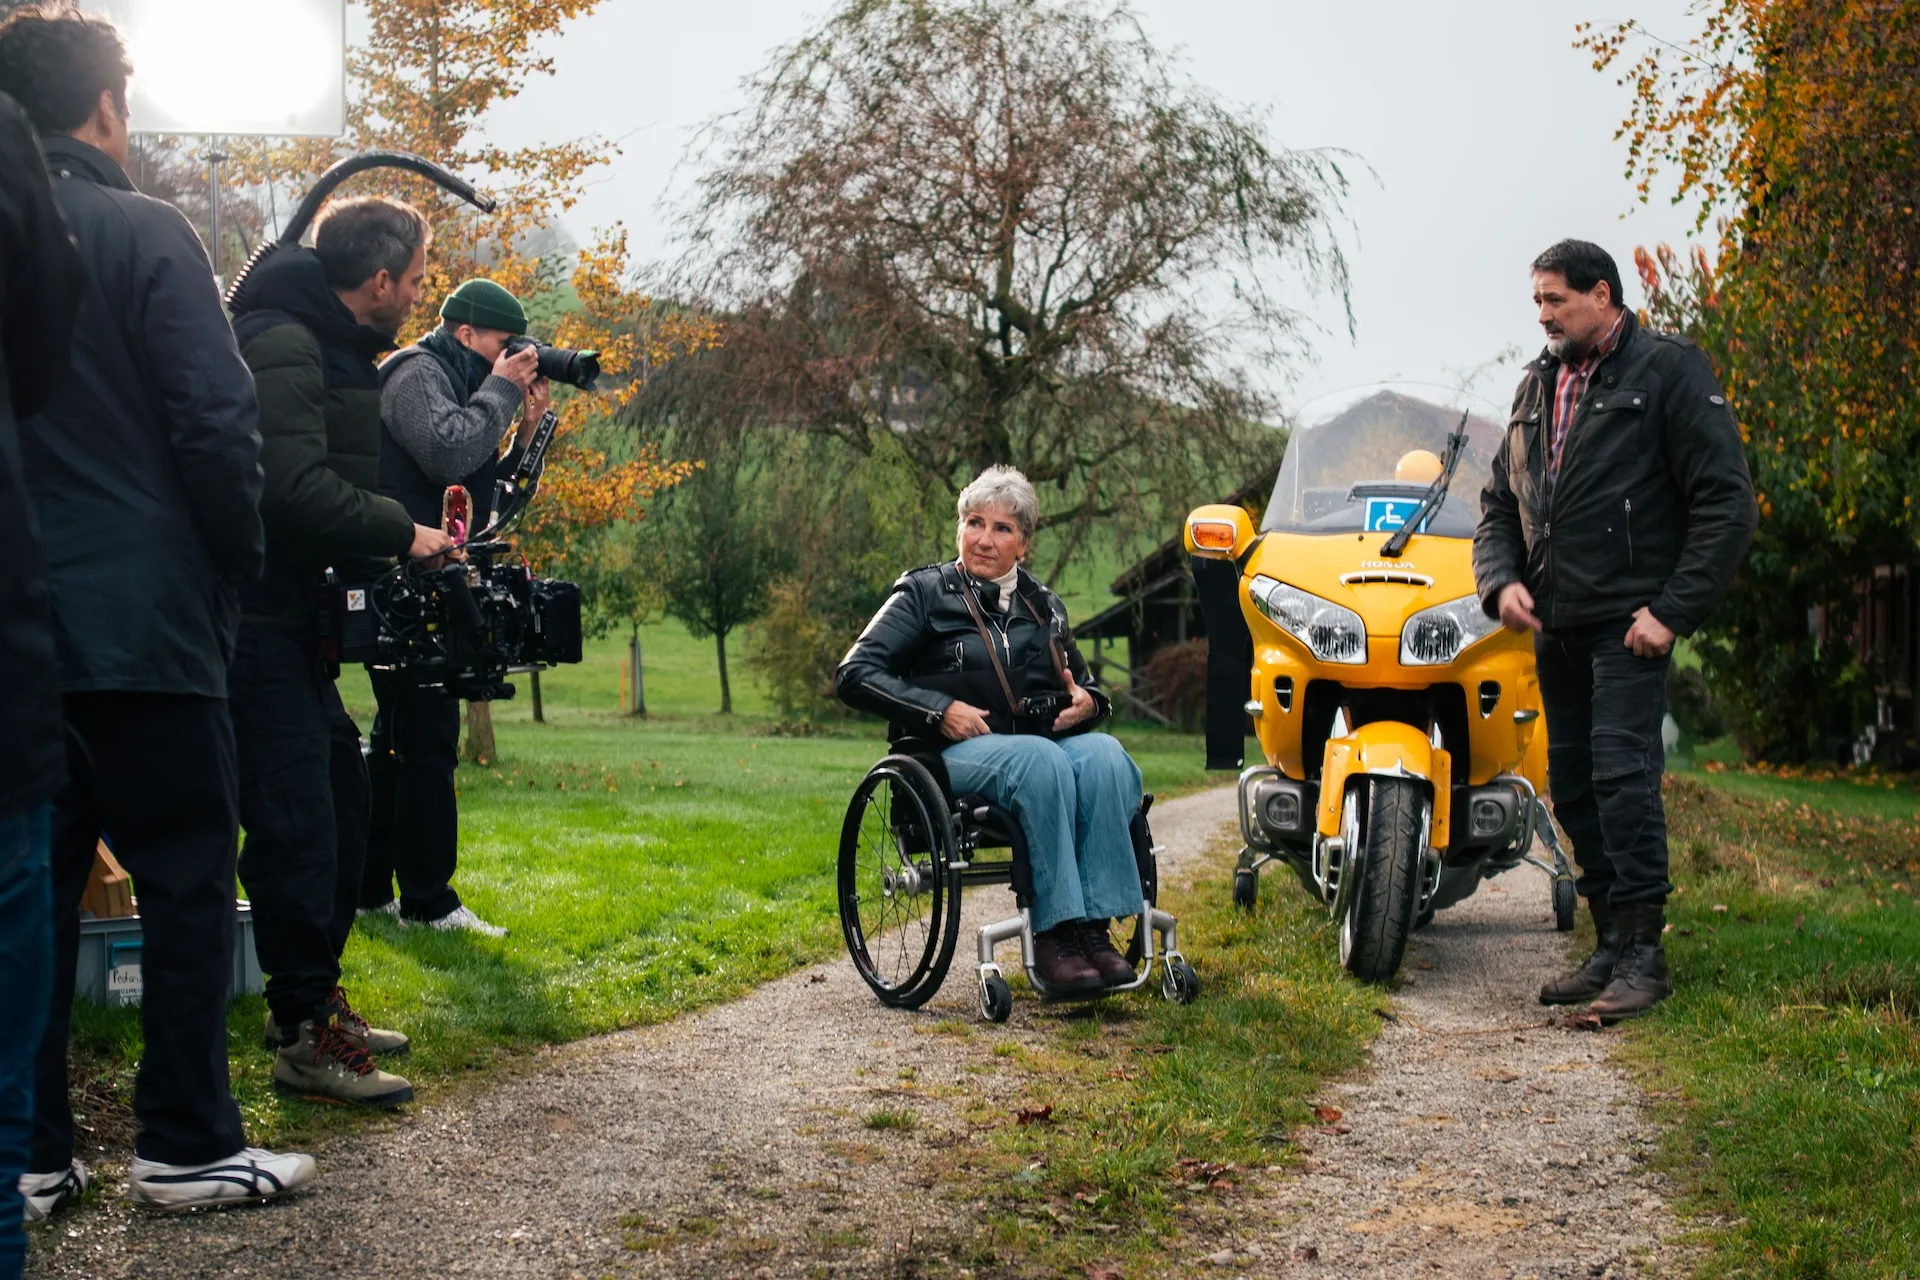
(311, 323)
(446, 404)
(1617, 513)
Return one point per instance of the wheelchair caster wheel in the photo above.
(996, 998)
(1246, 888)
(1566, 904)
(1180, 983)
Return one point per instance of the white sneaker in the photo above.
(249, 1176)
(392, 908)
(47, 1193)
(462, 917)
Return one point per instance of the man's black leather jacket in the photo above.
(1653, 505)
(922, 651)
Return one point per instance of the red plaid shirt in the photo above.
(1570, 386)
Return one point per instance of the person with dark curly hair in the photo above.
(144, 468)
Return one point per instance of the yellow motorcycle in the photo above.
(1400, 725)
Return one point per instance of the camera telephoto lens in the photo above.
(561, 364)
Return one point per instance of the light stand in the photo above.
(215, 158)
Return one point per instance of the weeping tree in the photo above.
(1008, 231)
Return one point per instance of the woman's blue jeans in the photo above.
(1075, 800)
(26, 973)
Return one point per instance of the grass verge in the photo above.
(1144, 1119)
(1786, 1068)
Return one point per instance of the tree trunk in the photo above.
(539, 707)
(479, 744)
(636, 689)
(726, 691)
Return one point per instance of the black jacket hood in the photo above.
(291, 280)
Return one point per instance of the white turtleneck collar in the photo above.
(1006, 583)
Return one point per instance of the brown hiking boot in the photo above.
(1058, 963)
(327, 1061)
(1596, 971)
(378, 1041)
(1640, 981)
(1097, 946)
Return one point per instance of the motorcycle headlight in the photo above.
(1333, 632)
(1435, 637)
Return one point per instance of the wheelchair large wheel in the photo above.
(899, 894)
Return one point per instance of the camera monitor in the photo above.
(236, 67)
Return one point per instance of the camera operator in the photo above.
(40, 284)
(446, 405)
(145, 474)
(311, 323)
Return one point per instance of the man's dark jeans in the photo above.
(305, 806)
(26, 970)
(155, 774)
(415, 836)
(1604, 707)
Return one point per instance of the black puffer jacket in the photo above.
(922, 652)
(145, 465)
(319, 389)
(1653, 505)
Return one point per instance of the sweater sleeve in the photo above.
(446, 440)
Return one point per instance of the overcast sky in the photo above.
(1488, 137)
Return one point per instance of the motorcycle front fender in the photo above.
(1393, 750)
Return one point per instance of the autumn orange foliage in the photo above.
(423, 80)
(1794, 126)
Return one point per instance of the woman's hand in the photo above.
(963, 721)
(1082, 709)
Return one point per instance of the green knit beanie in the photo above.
(485, 305)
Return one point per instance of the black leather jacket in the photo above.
(1653, 505)
(922, 652)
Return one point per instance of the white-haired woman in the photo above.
(972, 658)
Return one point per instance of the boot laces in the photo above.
(331, 1041)
(343, 1014)
(1095, 940)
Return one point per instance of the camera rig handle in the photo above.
(330, 181)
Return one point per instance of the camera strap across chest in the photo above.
(1018, 706)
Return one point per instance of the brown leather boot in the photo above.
(1641, 980)
(1596, 971)
(1058, 962)
(1097, 945)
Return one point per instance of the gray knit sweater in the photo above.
(448, 442)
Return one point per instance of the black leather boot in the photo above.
(1640, 981)
(1596, 971)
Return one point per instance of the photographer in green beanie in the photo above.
(447, 404)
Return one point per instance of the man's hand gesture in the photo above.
(1516, 608)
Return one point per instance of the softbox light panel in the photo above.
(235, 67)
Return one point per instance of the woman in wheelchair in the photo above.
(972, 659)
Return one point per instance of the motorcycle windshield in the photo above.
(1362, 461)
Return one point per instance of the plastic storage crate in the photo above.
(109, 971)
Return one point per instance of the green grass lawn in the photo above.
(644, 867)
(1787, 1065)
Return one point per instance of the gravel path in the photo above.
(1482, 1140)
(753, 1139)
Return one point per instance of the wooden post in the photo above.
(636, 685)
(539, 707)
(479, 745)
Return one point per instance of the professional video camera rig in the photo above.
(452, 624)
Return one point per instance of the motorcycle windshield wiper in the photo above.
(1396, 546)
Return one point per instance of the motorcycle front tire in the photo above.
(1373, 937)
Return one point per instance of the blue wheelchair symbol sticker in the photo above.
(1384, 515)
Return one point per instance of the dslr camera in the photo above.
(558, 364)
(462, 624)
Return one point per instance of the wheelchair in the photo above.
(908, 848)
